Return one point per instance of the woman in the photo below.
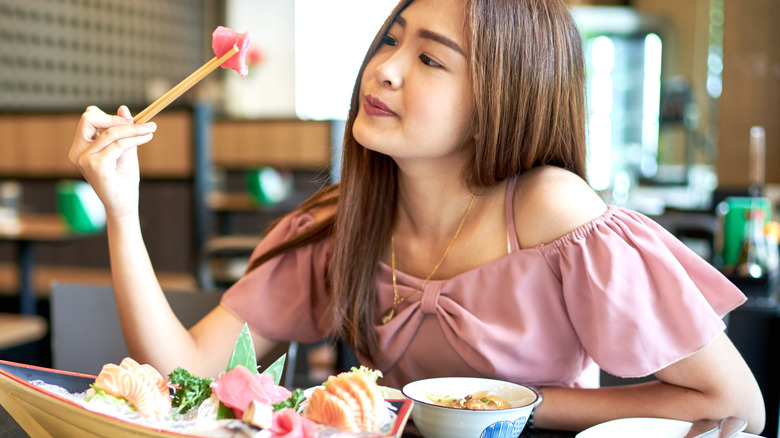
(462, 239)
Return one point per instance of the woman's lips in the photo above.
(375, 107)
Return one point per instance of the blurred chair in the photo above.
(223, 260)
(85, 328)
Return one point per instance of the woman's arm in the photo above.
(105, 151)
(714, 382)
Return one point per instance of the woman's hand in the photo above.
(105, 151)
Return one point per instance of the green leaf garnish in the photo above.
(277, 368)
(243, 354)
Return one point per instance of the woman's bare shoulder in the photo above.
(550, 202)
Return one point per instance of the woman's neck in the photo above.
(431, 207)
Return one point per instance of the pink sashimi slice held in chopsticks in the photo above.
(223, 39)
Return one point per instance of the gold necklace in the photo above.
(398, 299)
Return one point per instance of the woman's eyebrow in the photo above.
(433, 36)
(441, 39)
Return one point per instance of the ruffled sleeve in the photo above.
(638, 298)
(284, 298)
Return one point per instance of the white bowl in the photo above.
(443, 422)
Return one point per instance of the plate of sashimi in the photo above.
(132, 399)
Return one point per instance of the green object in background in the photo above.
(80, 207)
(734, 213)
(267, 185)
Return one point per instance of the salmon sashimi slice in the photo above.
(330, 410)
(373, 397)
(350, 384)
(341, 389)
(346, 399)
(141, 385)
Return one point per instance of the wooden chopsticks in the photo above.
(172, 94)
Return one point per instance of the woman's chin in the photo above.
(368, 137)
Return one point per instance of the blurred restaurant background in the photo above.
(684, 126)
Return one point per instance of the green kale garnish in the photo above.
(294, 401)
(191, 391)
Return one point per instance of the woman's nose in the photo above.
(389, 72)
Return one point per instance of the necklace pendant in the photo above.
(388, 315)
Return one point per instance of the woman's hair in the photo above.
(528, 77)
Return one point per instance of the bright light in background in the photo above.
(651, 105)
(331, 39)
(714, 71)
(600, 126)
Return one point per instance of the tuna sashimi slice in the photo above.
(238, 387)
(288, 424)
(223, 39)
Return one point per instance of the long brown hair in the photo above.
(528, 77)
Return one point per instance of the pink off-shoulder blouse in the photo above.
(619, 293)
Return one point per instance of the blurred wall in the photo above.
(751, 88)
(269, 89)
(67, 55)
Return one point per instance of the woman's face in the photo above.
(416, 100)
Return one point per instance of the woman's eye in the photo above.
(387, 40)
(428, 61)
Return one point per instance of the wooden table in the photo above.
(18, 329)
(31, 229)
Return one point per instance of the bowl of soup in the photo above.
(470, 407)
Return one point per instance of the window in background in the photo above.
(623, 64)
(331, 39)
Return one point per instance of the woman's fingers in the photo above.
(124, 112)
(104, 149)
(130, 134)
(113, 142)
(94, 119)
(114, 150)
(94, 123)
